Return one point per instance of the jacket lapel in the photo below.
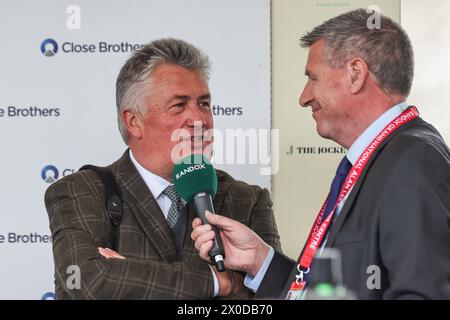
(140, 200)
(337, 224)
(146, 210)
(346, 209)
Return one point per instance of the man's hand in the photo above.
(244, 249)
(110, 254)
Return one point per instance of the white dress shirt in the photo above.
(157, 185)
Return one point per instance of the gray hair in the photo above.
(133, 81)
(387, 50)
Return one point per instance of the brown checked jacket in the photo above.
(153, 270)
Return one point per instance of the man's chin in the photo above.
(324, 133)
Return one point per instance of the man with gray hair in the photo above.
(388, 210)
(163, 109)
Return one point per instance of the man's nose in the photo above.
(306, 96)
(196, 117)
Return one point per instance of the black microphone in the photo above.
(195, 180)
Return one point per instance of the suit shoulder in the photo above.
(240, 190)
(82, 182)
(423, 135)
(421, 141)
(225, 178)
(86, 181)
(415, 158)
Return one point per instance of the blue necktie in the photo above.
(341, 173)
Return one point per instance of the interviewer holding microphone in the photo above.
(388, 209)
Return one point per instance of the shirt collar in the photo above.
(360, 144)
(155, 183)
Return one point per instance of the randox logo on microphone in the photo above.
(190, 169)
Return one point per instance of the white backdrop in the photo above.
(428, 25)
(70, 100)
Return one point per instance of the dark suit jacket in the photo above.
(397, 217)
(79, 224)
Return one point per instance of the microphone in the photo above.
(195, 180)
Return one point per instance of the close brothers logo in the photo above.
(50, 173)
(49, 47)
(48, 296)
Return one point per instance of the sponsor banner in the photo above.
(31, 237)
(29, 112)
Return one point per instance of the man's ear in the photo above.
(358, 72)
(133, 123)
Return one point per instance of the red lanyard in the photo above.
(319, 229)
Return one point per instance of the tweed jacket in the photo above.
(153, 270)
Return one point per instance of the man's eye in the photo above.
(205, 104)
(179, 105)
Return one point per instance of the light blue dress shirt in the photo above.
(353, 153)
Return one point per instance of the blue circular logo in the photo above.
(49, 174)
(49, 47)
(49, 296)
